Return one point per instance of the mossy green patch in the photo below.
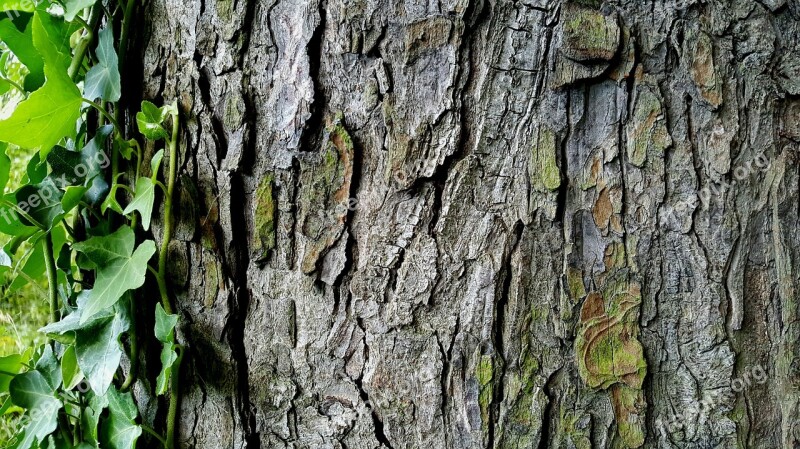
(629, 407)
(588, 34)
(573, 430)
(609, 354)
(544, 171)
(575, 284)
(647, 129)
(325, 191)
(264, 219)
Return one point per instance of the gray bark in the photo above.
(485, 224)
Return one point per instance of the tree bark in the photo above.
(484, 224)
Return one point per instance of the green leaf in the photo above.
(74, 7)
(51, 39)
(10, 365)
(63, 162)
(165, 333)
(103, 250)
(31, 391)
(48, 114)
(98, 349)
(155, 163)
(34, 265)
(165, 325)
(170, 109)
(120, 430)
(10, 222)
(64, 330)
(42, 202)
(125, 147)
(35, 170)
(103, 79)
(168, 358)
(149, 121)
(5, 167)
(72, 197)
(90, 418)
(111, 200)
(70, 371)
(97, 190)
(49, 367)
(21, 44)
(143, 201)
(116, 278)
(17, 5)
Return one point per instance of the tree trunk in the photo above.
(484, 224)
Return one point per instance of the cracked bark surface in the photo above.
(484, 224)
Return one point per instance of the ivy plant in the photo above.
(81, 219)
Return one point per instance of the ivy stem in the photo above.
(15, 85)
(52, 277)
(161, 277)
(174, 396)
(103, 111)
(83, 45)
(134, 341)
(169, 222)
(154, 434)
(127, 18)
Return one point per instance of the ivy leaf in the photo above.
(98, 349)
(49, 367)
(111, 200)
(42, 202)
(168, 358)
(165, 333)
(31, 391)
(46, 116)
(116, 278)
(10, 223)
(72, 197)
(143, 201)
(64, 331)
(155, 163)
(120, 430)
(63, 162)
(5, 167)
(70, 167)
(103, 79)
(103, 250)
(149, 121)
(35, 170)
(70, 371)
(125, 147)
(74, 7)
(15, 5)
(96, 191)
(21, 44)
(90, 418)
(9, 366)
(34, 265)
(165, 325)
(51, 40)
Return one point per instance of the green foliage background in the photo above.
(25, 310)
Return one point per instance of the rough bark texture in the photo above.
(485, 224)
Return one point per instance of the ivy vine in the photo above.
(77, 219)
